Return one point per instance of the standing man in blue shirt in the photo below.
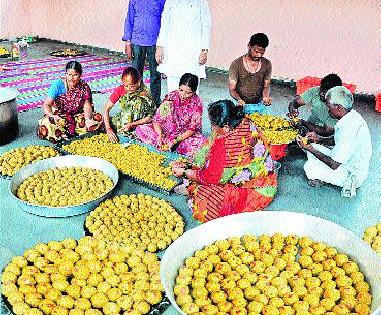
(141, 29)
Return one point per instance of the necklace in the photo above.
(249, 67)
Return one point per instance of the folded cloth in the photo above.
(349, 187)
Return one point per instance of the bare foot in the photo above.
(315, 183)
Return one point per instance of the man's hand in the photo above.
(313, 137)
(159, 54)
(240, 102)
(128, 51)
(111, 135)
(203, 58)
(303, 145)
(267, 100)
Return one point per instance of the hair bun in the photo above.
(238, 112)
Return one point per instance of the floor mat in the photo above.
(32, 78)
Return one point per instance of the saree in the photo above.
(176, 116)
(235, 174)
(69, 107)
(134, 106)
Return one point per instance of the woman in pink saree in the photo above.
(176, 125)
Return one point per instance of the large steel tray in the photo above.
(271, 222)
(62, 161)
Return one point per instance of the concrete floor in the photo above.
(20, 230)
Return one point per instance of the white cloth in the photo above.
(185, 30)
(353, 149)
(316, 169)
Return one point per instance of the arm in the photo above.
(322, 131)
(129, 23)
(164, 30)
(106, 118)
(294, 105)
(156, 126)
(233, 79)
(322, 157)
(266, 99)
(212, 173)
(182, 137)
(233, 92)
(129, 126)
(47, 107)
(128, 29)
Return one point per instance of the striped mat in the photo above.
(32, 78)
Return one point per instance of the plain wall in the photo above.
(306, 37)
(14, 18)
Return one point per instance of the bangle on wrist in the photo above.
(109, 128)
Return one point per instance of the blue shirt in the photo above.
(56, 89)
(142, 24)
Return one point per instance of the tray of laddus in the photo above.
(13, 160)
(142, 221)
(276, 129)
(271, 262)
(372, 235)
(63, 186)
(136, 161)
(83, 277)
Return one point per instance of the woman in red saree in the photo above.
(68, 108)
(233, 172)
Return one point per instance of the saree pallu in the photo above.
(213, 201)
(237, 175)
(67, 127)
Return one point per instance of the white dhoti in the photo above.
(316, 169)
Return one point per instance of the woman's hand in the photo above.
(178, 171)
(127, 127)
(159, 54)
(111, 135)
(90, 124)
(177, 164)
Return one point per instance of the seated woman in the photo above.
(177, 122)
(68, 108)
(234, 171)
(135, 102)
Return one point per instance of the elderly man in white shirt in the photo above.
(347, 163)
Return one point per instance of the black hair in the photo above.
(259, 39)
(74, 65)
(330, 81)
(225, 113)
(190, 80)
(133, 72)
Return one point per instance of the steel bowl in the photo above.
(62, 161)
(271, 222)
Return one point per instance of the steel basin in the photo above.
(270, 222)
(62, 161)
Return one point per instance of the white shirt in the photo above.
(185, 30)
(353, 146)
